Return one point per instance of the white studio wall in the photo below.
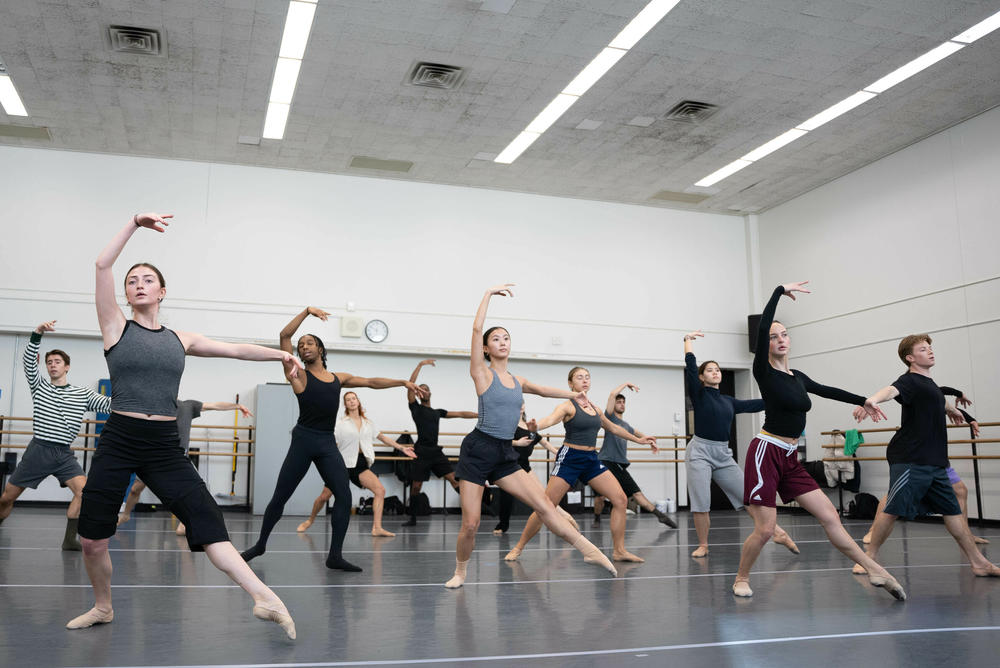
(608, 285)
(905, 245)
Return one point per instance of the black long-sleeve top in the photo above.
(786, 395)
(714, 411)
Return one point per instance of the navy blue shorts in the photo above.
(484, 457)
(916, 489)
(572, 465)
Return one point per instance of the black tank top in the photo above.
(319, 403)
(582, 428)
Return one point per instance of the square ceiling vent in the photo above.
(130, 39)
(436, 75)
(691, 111)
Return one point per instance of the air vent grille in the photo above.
(24, 132)
(129, 39)
(435, 75)
(364, 162)
(683, 198)
(690, 111)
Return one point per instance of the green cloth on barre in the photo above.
(852, 439)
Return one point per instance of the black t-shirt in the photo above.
(427, 420)
(521, 432)
(786, 396)
(923, 432)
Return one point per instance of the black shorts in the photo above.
(429, 460)
(623, 477)
(354, 473)
(150, 449)
(484, 457)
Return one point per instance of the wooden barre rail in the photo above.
(882, 459)
(964, 441)
(559, 436)
(80, 448)
(193, 438)
(840, 432)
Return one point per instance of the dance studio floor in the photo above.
(550, 609)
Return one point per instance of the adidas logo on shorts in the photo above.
(756, 497)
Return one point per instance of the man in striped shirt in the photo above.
(58, 413)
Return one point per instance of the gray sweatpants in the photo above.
(708, 461)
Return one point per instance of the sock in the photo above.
(70, 542)
(664, 518)
(252, 552)
(458, 579)
(592, 555)
(340, 564)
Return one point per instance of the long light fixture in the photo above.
(9, 98)
(298, 23)
(867, 93)
(630, 35)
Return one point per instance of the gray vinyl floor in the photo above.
(172, 608)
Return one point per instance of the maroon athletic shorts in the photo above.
(771, 469)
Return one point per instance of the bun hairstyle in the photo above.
(159, 274)
(319, 344)
(486, 337)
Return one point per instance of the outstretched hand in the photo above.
(409, 452)
(291, 364)
(416, 389)
(651, 442)
(153, 221)
(319, 313)
(954, 415)
(243, 409)
(962, 401)
(632, 386)
(428, 362)
(870, 409)
(791, 288)
(582, 399)
(49, 326)
(504, 290)
(691, 336)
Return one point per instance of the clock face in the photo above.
(376, 331)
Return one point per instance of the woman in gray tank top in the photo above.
(145, 361)
(487, 453)
(577, 460)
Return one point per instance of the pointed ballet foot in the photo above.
(382, 533)
(251, 553)
(513, 554)
(497, 531)
(890, 584)
(859, 570)
(628, 556)
(980, 540)
(702, 551)
(600, 559)
(663, 518)
(180, 530)
(340, 564)
(742, 588)
(71, 545)
(279, 616)
(991, 572)
(867, 539)
(787, 541)
(90, 618)
(302, 528)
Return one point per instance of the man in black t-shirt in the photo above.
(918, 455)
(430, 456)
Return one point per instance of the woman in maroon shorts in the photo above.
(772, 465)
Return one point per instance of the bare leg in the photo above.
(453, 481)
(881, 509)
(267, 606)
(70, 542)
(701, 524)
(133, 498)
(817, 503)
(371, 482)
(531, 493)
(764, 519)
(598, 508)
(959, 529)
(10, 494)
(555, 491)
(607, 485)
(318, 505)
(97, 561)
(962, 492)
(781, 537)
(471, 500)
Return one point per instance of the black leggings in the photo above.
(311, 446)
(507, 500)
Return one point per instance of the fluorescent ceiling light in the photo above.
(773, 145)
(597, 68)
(836, 110)
(517, 147)
(551, 113)
(719, 174)
(285, 75)
(642, 23)
(981, 29)
(9, 98)
(274, 122)
(298, 23)
(913, 67)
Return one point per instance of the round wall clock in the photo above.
(376, 331)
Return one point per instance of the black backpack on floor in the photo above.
(420, 504)
(863, 507)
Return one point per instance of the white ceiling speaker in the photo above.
(352, 326)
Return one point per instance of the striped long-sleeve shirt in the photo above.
(58, 410)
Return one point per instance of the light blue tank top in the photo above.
(500, 409)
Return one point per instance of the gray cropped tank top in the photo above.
(582, 428)
(145, 367)
(500, 408)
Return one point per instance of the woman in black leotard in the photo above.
(772, 462)
(318, 394)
